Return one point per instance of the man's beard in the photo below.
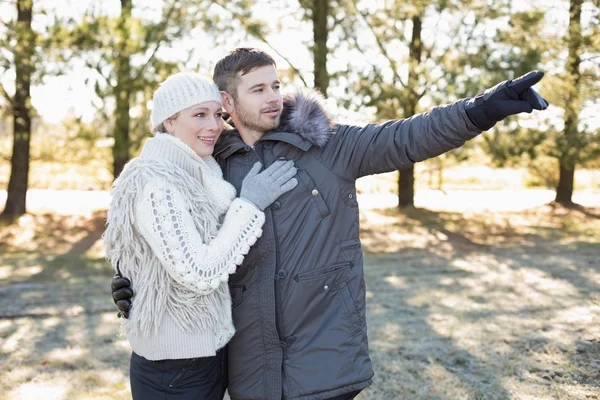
(254, 122)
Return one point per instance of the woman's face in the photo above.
(198, 126)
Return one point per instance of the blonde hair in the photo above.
(160, 128)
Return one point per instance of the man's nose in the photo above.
(273, 96)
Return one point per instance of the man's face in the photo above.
(259, 103)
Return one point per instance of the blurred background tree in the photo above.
(22, 50)
(551, 149)
(374, 61)
(123, 51)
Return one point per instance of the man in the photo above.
(299, 296)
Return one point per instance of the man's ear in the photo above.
(227, 102)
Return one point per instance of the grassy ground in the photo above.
(484, 306)
(461, 305)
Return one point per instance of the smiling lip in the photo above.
(207, 139)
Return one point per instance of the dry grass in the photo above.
(58, 330)
(469, 305)
(483, 305)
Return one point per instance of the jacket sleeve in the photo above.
(163, 219)
(360, 151)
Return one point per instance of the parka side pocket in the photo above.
(352, 312)
(323, 272)
(349, 244)
(237, 294)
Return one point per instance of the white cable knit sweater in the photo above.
(176, 231)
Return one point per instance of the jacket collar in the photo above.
(304, 123)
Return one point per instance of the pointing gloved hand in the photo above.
(506, 98)
(263, 188)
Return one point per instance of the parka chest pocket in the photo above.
(311, 188)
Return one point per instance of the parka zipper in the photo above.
(278, 313)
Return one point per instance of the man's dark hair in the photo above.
(241, 60)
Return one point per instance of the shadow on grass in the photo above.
(52, 247)
(425, 363)
(450, 318)
(590, 212)
(76, 355)
(47, 269)
(58, 323)
(439, 329)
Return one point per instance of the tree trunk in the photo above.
(122, 91)
(21, 110)
(564, 190)
(406, 178)
(571, 145)
(406, 188)
(320, 12)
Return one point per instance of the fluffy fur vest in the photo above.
(155, 292)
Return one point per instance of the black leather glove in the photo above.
(506, 98)
(121, 293)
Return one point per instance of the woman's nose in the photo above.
(213, 125)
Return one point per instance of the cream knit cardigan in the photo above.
(177, 231)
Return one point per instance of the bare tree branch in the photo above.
(384, 53)
(349, 35)
(159, 43)
(590, 58)
(98, 69)
(7, 96)
(260, 37)
(455, 39)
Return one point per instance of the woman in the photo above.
(176, 228)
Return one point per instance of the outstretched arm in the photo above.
(393, 145)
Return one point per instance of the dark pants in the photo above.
(202, 378)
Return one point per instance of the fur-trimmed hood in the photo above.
(303, 113)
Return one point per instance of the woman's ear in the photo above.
(168, 124)
(227, 102)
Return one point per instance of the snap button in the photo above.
(282, 274)
(315, 192)
(326, 287)
(350, 196)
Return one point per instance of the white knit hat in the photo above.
(180, 91)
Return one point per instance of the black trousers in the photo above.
(203, 378)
